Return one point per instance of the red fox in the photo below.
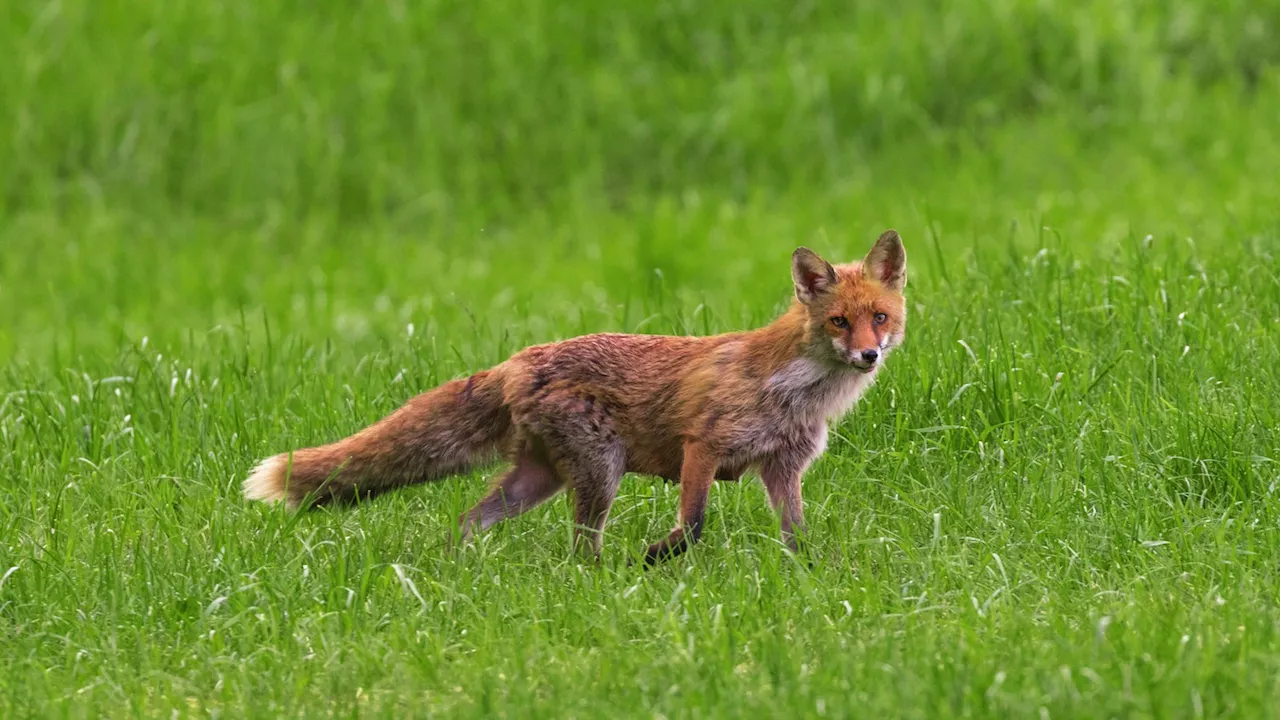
(580, 413)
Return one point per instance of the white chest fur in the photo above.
(815, 391)
(802, 397)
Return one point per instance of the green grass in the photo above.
(229, 229)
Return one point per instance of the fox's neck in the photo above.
(781, 341)
(794, 369)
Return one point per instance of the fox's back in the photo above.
(620, 368)
(630, 383)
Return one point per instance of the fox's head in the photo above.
(856, 312)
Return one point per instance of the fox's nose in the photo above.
(870, 356)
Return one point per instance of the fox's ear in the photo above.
(812, 275)
(887, 261)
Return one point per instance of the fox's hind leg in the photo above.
(586, 449)
(595, 487)
(526, 485)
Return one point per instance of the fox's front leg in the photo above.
(697, 473)
(781, 476)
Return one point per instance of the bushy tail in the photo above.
(441, 432)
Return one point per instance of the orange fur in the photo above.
(579, 413)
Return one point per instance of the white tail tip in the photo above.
(266, 482)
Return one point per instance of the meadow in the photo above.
(232, 228)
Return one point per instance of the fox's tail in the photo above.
(441, 432)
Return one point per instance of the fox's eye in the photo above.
(840, 322)
(881, 318)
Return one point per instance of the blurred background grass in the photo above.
(243, 152)
(424, 112)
